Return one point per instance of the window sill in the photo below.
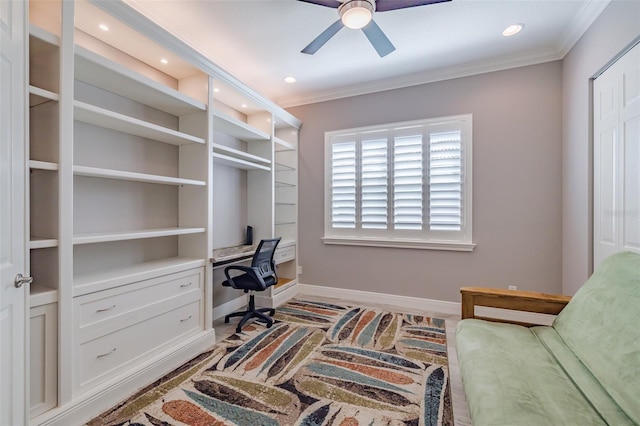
(410, 244)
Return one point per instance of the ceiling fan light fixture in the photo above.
(356, 14)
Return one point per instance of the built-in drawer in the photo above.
(284, 254)
(104, 305)
(104, 357)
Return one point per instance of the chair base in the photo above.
(252, 312)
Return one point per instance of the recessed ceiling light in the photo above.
(290, 79)
(164, 61)
(103, 27)
(244, 105)
(215, 89)
(512, 29)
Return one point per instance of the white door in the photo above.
(616, 158)
(13, 298)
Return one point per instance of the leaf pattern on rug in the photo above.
(189, 414)
(320, 364)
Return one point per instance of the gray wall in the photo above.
(517, 214)
(614, 29)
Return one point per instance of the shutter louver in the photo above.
(445, 181)
(343, 185)
(374, 184)
(407, 183)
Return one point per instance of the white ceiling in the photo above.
(259, 41)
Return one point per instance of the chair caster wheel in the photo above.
(272, 312)
(269, 324)
(238, 330)
(226, 320)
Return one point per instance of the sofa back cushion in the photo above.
(601, 325)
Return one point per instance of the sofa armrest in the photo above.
(527, 301)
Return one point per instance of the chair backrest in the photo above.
(263, 258)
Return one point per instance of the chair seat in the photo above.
(245, 282)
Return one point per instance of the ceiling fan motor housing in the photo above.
(357, 11)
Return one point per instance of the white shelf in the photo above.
(104, 237)
(43, 35)
(238, 163)
(113, 77)
(89, 283)
(236, 153)
(40, 243)
(42, 295)
(238, 129)
(280, 184)
(283, 145)
(280, 167)
(132, 176)
(42, 165)
(39, 96)
(101, 117)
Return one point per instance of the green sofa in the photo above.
(582, 370)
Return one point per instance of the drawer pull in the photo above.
(107, 354)
(186, 319)
(106, 309)
(185, 285)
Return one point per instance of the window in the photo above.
(400, 185)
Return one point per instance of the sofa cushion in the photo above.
(601, 325)
(589, 386)
(511, 379)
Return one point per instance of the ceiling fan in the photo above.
(358, 14)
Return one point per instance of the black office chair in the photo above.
(257, 277)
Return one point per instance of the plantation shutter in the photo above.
(445, 181)
(402, 185)
(343, 185)
(374, 184)
(407, 182)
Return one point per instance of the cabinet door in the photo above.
(12, 211)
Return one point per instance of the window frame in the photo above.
(424, 239)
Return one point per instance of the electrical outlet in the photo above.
(299, 270)
(513, 287)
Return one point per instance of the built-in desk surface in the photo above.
(226, 255)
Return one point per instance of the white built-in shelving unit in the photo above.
(128, 170)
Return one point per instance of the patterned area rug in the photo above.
(319, 364)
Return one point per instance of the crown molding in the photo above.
(140, 17)
(415, 79)
(585, 17)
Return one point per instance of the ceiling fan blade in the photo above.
(328, 3)
(377, 38)
(323, 38)
(386, 5)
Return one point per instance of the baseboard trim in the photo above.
(90, 404)
(231, 306)
(422, 304)
(359, 296)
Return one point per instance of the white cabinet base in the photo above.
(90, 404)
(43, 358)
(263, 299)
